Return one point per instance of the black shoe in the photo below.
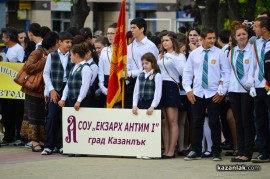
(4, 143)
(217, 157)
(192, 156)
(168, 157)
(240, 160)
(260, 159)
(183, 153)
(207, 154)
(226, 146)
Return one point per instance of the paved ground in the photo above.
(20, 162)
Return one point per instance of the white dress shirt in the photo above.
(249, 63)
(158, 89)
(218, 70)
(94, 72)
(174, 63)
(135, 52)
(225, 49)
(86, 75)
(259, 44)
(47, 69)
(104, 65)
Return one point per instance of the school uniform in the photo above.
(218, 70)
(55, 75)
(240, 100)
(147, 90)
(104, 65)
(77, 88)
(134, 64)
(93, 82)
(171, 67)
(261, 101)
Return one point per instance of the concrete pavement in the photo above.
(20, 162)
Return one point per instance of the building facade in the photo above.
(160, 15)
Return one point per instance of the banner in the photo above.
(118, 132)
(8, 88)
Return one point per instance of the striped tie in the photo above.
(239, 64)
(205, 70)
(260, 75)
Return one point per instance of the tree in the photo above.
(79, 12)
(215, 12)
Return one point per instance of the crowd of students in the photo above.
(206, 84)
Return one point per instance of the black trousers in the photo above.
(262, 105)
(198, 112)
(223, 108)
(242, 108)
(12, 114)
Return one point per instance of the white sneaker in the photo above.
(28, 145)
(46, 151)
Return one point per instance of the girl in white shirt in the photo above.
(148, 86)
(105, 63)
(77, 88)
(171, 63)
(242, 58)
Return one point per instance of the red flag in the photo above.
(118, 62)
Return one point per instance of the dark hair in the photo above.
(265, 13)
(182, 38)
(20, 31)
(29, 47)
(80, 49)
(12, 33)
(86, 32)
(156, 40)
(50, 40)
(129, 35)
(175, 43)
(94, 53)
(206, 31)
(65, 36)
(152, 59)
(140, 23)
(73, 31)
(264, 22)
(77, 39)
(35, 29)
(44, 31)
(224, 36)
(103, 40)
(182, 29)
(113, 25)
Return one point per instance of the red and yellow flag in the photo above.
(118, 62)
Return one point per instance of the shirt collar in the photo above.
(143, 41)
(150, 72)
(60, 53)
(201, 49)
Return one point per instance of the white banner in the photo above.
(116, 132)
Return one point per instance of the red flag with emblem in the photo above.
(118, 62)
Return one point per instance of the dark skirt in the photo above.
(34, 119)
(170, 95)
